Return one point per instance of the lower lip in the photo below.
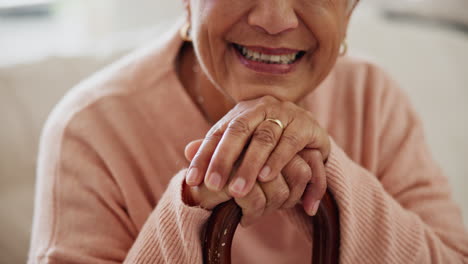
(265, 67)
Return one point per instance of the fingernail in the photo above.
(214, 181)
(238, 186)
(192, 176)
(315, 208)
(264, 173)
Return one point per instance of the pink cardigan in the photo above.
(111, 165)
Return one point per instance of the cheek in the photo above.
(329, 30)
(326, 20)
(211, 22)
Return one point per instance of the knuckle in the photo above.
(257, 203)
(292, 180)
(268, 99)
(216, 135)
(280, 196)
(316, 136)
(215, 127)
(239, 126)
(299, 176)
(289, 105)
(289, 204)
(283, 193)
(253, 203)
(314, 133)
(303, 172)
(265, 136)
(299, 165)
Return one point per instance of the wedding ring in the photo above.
(276, 121)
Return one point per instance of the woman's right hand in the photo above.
(259, 200)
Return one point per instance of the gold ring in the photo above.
(276, 121)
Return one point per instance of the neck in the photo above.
(211, 102)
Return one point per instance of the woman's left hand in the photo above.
(265, 147)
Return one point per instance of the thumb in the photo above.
(192, 148)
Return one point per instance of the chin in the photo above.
(248, 91)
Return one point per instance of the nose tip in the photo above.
(273, 16)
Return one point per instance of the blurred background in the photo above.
(48, 46)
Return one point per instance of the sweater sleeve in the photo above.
(172, 233)
(80, 215)
(402, 213)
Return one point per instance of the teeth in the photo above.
(257, 56)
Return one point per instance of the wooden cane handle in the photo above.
(220, 228)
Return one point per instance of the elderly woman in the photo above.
(251, 100)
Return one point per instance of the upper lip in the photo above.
(271, 50)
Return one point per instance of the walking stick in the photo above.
(222, 224)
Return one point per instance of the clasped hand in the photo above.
(263, 166)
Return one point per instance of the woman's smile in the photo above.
(283, 48)
(268, 60)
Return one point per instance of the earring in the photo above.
(343, 48)
(185, 32)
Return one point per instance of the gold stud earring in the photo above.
(343, 48)
(185, 32)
